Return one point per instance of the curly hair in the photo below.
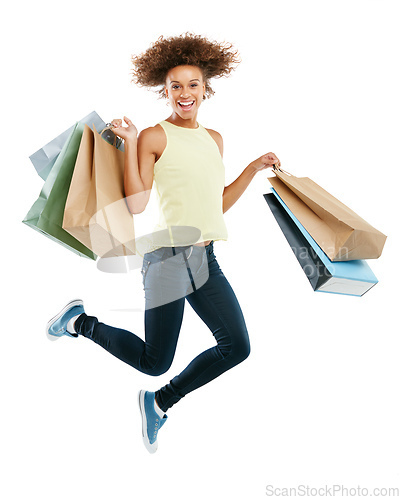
(215, 60)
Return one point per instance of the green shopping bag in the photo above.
(47, 213)
(44, 159)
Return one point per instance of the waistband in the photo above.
(210, 247)
(164, 253)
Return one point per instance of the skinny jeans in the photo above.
(172, 276)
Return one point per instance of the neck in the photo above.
(180, 122)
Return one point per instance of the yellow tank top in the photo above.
(189, 179)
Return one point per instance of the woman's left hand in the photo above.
(266, 161)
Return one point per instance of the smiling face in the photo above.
(184, 89)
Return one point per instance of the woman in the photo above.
(185, 161)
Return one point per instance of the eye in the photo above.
(174, 87)
(194, 85)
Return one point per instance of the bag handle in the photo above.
(278, 169)
(110, 136)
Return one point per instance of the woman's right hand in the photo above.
(128, 133)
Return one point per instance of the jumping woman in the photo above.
(184, 160)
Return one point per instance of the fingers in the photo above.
(271, 159)
(116, 122)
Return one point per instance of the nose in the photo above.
(185, 93)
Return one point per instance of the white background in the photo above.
(316, 403)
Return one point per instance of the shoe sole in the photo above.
(76, 302)
(151, 448)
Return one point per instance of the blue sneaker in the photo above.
(151, 421)
(57, 326)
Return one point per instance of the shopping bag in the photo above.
(46, 214)
(348, 278)
(44, 158)
(96, 212)
(341, 233)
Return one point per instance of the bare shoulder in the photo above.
(151, 134)
(217, 138)
(152, 140)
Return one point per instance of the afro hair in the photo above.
(150, 68)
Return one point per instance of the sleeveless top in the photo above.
(189, 180)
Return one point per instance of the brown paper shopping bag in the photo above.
(96, 212)
(340, 232)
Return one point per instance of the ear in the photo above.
(166, 92)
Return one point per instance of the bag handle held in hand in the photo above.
(279, 169)
(110, 137)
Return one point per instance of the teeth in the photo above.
(186, 103)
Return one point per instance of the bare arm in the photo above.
(139, 165)
(139, 171)
(133, 184)
(235, 190)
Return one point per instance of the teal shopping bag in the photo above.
(47, 213)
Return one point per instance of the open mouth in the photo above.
(186, 105)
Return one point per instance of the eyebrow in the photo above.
(193, 80)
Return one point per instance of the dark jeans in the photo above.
(213, 300)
